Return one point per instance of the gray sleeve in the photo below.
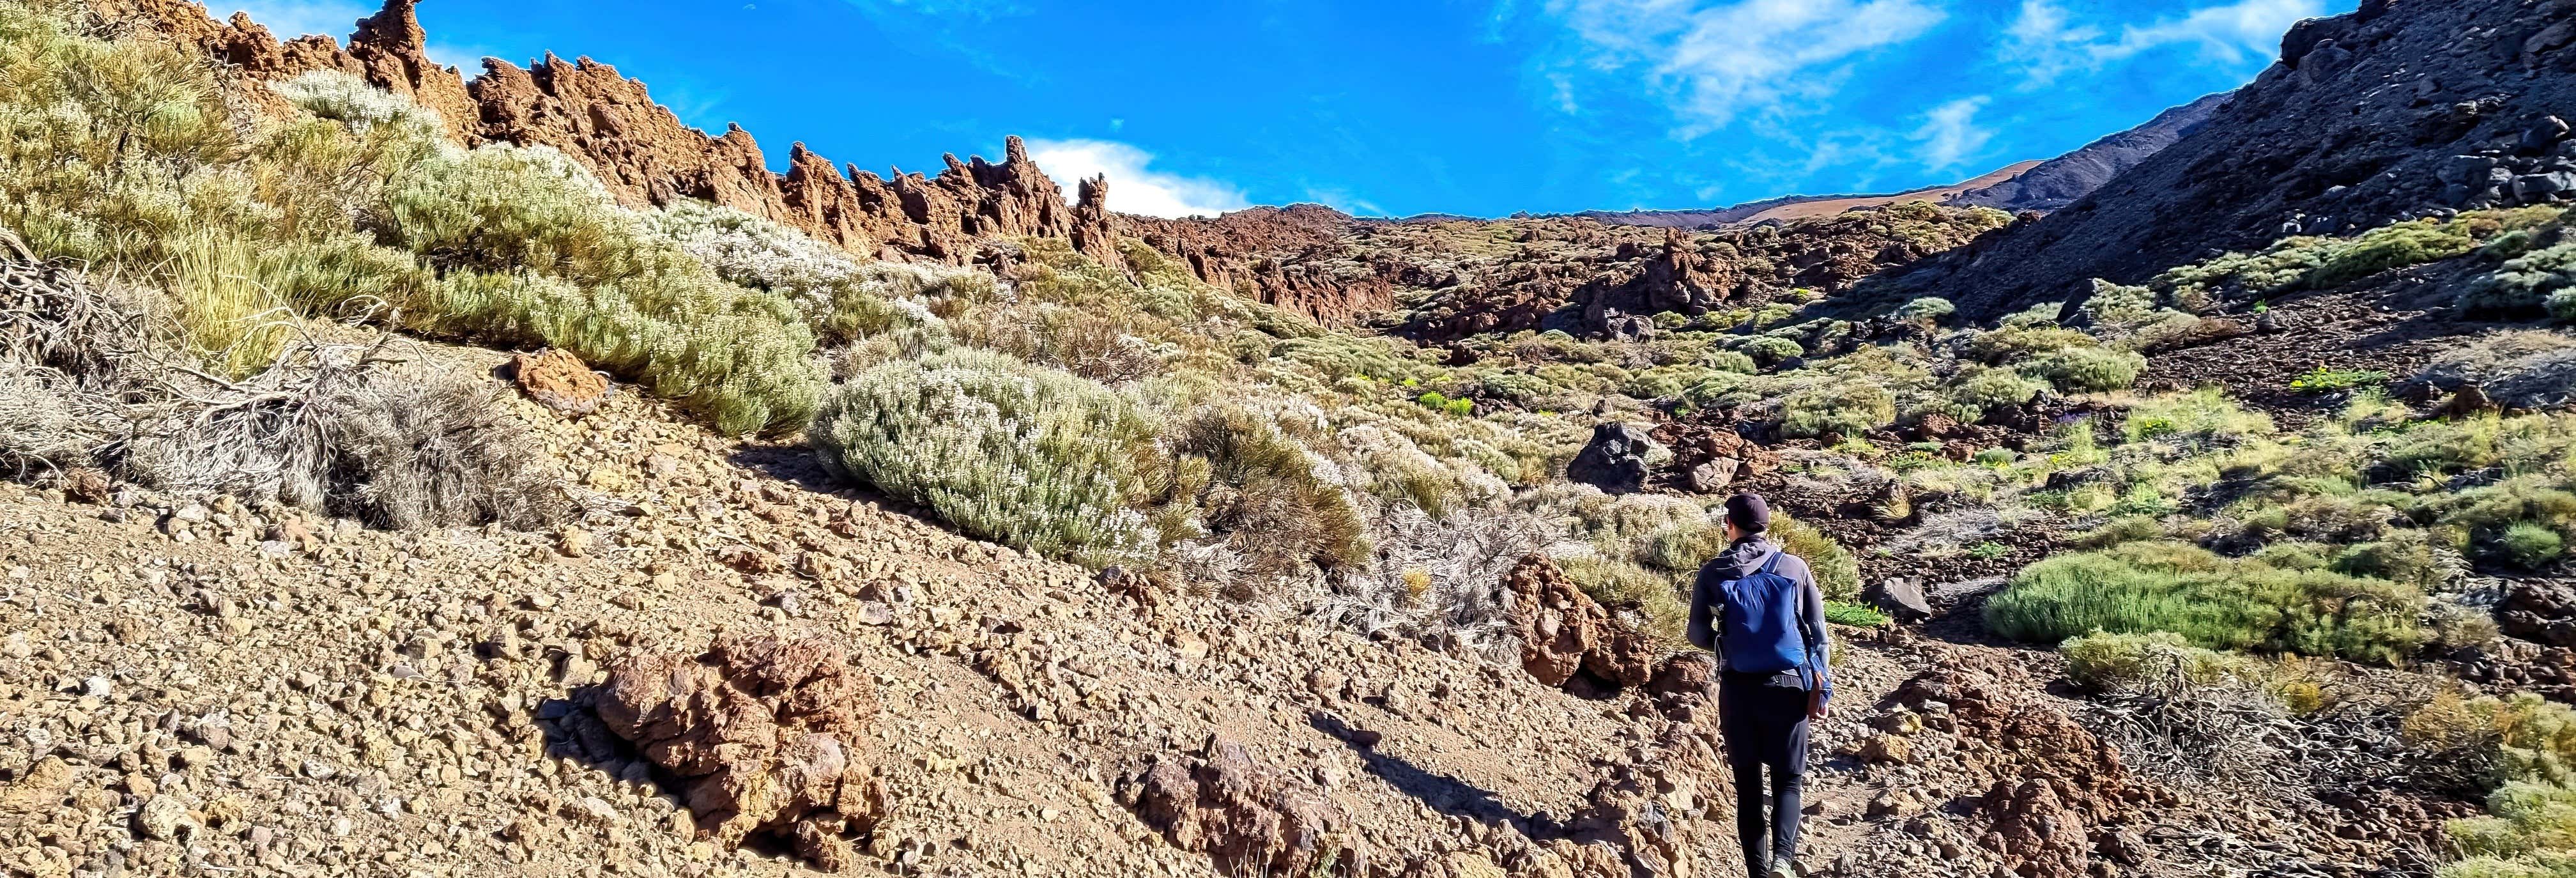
(1820, 644)
(1702, 628)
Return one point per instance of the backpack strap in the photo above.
(1807, 637)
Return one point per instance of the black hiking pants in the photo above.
(1764, 723)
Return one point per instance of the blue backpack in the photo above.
(1764, 631)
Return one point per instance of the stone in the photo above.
(164, 817)
(1565, 635)
(765, 735)
(2545, 187)
(1615, 460)
(87, 485)
(2542, 611)
(1902, 597)
(1248, 817)
(560, 381)
(2543, 134)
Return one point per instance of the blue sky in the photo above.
(1479, 107)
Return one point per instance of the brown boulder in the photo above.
(1566, 636)
(1248, 817)
(765, 736)
(2540, 611)
(1710, 460)
(558, 380)
(2036, 833)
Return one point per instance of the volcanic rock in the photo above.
(1565, 635)
(1710, 460)
(558, 380)
(1616, 460)
(764, 735)
(1250, 818)
(2540, 611)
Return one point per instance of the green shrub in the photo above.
(2013, 344)
(1771, 349)
(1620, 584)
(2524, 283)
(2393, 246)
(1928, 308)
(1847, 408)
(539, 254)
(1731, 361)
(1994, 388)
(1836, 569)
(2158, 661)
(2082, 369)
(2325, 380)
(1855, 615)
(2524, 747)
(1257, 483)
(2531, 545)
(1031, 457)
(2201, 417)
(2213, 602)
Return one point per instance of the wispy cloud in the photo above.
(2048, 42)
(289, 19)
(1950, 134)
(1133, 186)
(1713, 62)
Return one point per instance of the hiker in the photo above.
(1757, 607)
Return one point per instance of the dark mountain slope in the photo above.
(2398, 109)
(2058, 182)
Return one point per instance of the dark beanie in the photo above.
(1749, 513)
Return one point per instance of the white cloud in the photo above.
(1133, 188)
(1713, 62)
(289, 19)
(2045, 41)
(1950, 134)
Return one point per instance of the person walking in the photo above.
(1758, 609)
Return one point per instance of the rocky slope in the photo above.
(2398, 109)
(2058, 182)
(195, 687)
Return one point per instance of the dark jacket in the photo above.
(1740, 560)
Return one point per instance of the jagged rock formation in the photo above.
(1678, 279)
(2058, 182)
(1290, 256)
(2398, 109)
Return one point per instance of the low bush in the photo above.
(1855, 615)
(2524, 748)
(2089, 369)
(2153, 662)
(1018, 454)
(1770, 349)
(1846, 408)
(2327, 380)
(2013, 344)
(2524, 283)
(541, 255)
(1994, 388)
(2213, 602)
(1731, 361)
(1836, 569)
(1929, 309)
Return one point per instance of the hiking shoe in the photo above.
(1783, 869)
